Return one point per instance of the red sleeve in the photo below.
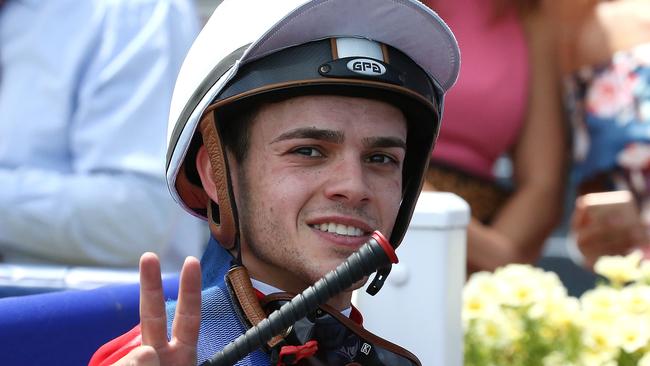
(112, 351)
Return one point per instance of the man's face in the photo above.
(322, 173)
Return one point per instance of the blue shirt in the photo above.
(85, 88)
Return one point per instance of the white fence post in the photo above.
(419, 307)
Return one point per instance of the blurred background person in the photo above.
(506, 103)
(85, 88)
(605, 59)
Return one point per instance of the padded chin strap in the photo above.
(222, 217)
(248, 304)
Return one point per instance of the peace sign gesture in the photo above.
(156, 350)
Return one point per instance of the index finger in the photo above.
(153, 318)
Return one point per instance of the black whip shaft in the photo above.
(374, 254)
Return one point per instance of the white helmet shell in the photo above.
(241, 31)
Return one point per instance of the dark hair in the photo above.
(234, 127)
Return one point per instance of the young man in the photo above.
(297, 129)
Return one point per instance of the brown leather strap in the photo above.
(224, 227)
(242, 288)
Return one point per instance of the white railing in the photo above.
(419, 307)
(58, 277)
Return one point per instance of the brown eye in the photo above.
(308, 151)
(381, 159)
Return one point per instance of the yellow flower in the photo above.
(482, 283)
(600, 305)
(556, 358)
(601, 342)
(519, 284)
(562, 312)
(480, 298)
(620, 269)
(635, 299)
(594, 358)
(633, 334)
(477, 306)
(505, 310)
(498, 331)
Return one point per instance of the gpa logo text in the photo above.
(366, 66)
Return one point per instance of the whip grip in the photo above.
(374, 254)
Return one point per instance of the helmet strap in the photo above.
(222, 217)
(248, 305)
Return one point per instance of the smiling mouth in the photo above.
(340, 229)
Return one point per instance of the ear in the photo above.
(204, 167)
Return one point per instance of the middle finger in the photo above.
(153, 317)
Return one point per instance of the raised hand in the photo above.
(606, 230)
(156, 350)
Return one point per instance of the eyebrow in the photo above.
(384, 142)
(311, 133)
(338, 137)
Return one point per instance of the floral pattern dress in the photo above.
(609, 109)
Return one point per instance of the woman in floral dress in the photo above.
(605, 57)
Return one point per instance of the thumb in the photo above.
(140, 356)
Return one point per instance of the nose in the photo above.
(348, 183)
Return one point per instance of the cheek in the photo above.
(389, 195)
(391, 188)
(284, 187)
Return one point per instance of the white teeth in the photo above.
(339, 229)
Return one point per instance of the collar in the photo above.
(262, 289)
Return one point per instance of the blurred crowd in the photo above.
(559, 89)
(84, 98)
